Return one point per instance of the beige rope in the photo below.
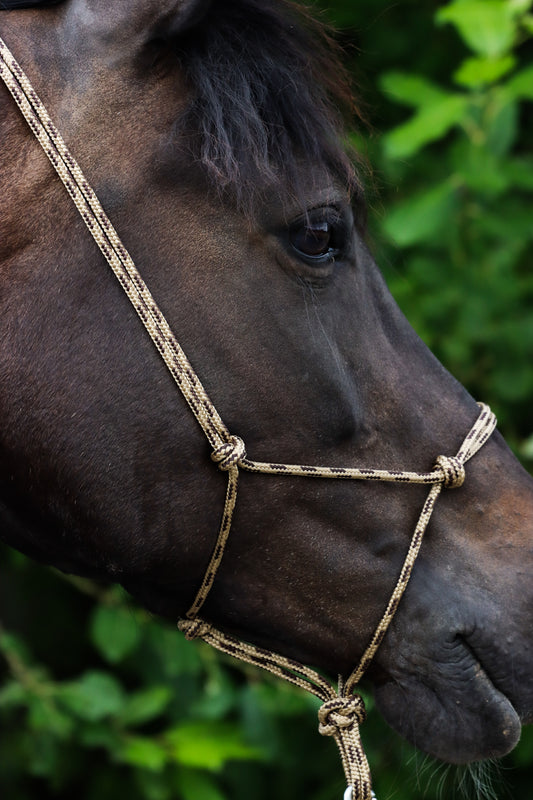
(342, 711)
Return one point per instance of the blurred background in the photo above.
(100, 701)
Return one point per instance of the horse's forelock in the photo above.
(267, 85)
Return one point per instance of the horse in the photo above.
(212, 136)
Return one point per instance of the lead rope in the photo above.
(342, 711)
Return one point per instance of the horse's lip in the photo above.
(487, 670)
(454, 708)
(469, 647)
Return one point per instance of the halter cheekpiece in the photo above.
(342, 711)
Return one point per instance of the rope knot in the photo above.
(452, 469)
(340, 714)
(194, 628)
(229, 454)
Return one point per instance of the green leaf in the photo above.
(520, 6)
(208, 745)
(154, 785)
(501, 124)
(43, 755)
(140, 751)
(13, 645)
(145, 705)
(13, 694)
(194, 785)
(427, 125)
(521, 84)
(100, 735)
(218, 696)
(487, 26)
(115, 632)
(513, 227)
(519, 172)
(95, 696)
(422, 216)
(527, 23)
(43, 715)
(480, 169)
(282, 700)
(480, 71)
(410, 89)
(176, 654)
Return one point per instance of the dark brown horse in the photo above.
(208, 131)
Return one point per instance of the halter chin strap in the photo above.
(342, 711)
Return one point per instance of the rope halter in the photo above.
(230, 454)
(453, 471)
(342, 712)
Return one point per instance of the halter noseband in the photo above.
(342, 711)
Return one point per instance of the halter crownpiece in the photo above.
(342, 711)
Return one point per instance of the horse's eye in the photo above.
(319, 237)
(312, 239)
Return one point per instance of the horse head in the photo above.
(209, 132)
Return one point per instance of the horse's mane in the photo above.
(268, 92)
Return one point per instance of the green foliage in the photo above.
(150, 701)
(488, 27)
(437, 112)
(114, 632)
(457, 232)
(107, 702)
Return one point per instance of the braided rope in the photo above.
(111, 246)
(342, 711)
(448, 472)
(339, 715)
